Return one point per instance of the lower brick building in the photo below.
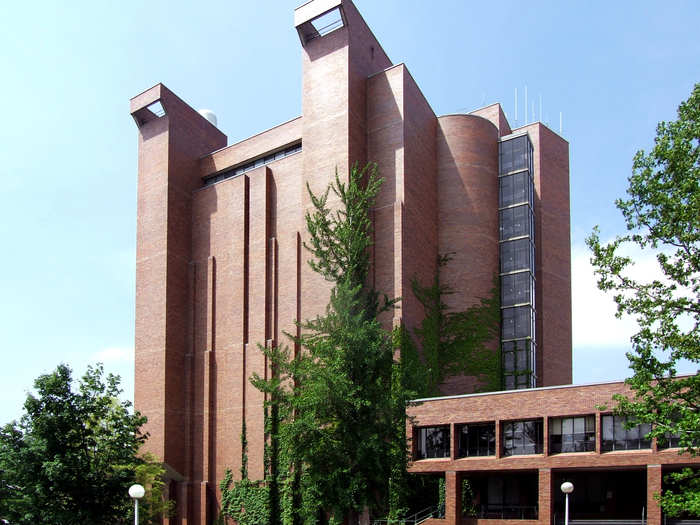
(504, 456)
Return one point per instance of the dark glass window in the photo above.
(520, 153)
(506, 156)
(516, 355)
(518, 381)
(572, 434)
(517, 288)
(516, 322)
(478, 439)
(616, 437)
(522, 437)
(515, 154)
(433, 442)
(505, 496)
(517, 255)
(516, 222)
(243, 168)
(670, 440)
(515, 189)
(517, 364)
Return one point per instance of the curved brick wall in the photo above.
(467, 170)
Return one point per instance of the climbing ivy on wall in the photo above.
(246, 501)
(455, 342)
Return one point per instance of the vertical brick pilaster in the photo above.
(203, 503)
(453, 498)
(653, 511)
(499, 439)
(544, 511)
(183, 499)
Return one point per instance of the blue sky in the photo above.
(68, 144)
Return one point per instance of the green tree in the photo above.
(73, 455)
(329, 410)
(342, 408)
(662, 214)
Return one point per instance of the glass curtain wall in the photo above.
(517, 261)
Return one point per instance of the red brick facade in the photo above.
(545, 405)
(221, 268)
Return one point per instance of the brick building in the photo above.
(504, 456)
(221, 266)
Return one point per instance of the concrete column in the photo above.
(544, 503)
(653, 511)
(453, 498)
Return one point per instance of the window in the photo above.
(517, 255)
(515, 154)
(518, 360)
(572, 434)
(517, 221)
(522, 437)
(616, 437)
(251, 165)
(669, 440)
(433, 442)
(515, 189)
(505, 496)
(516, 323)
(517, 288)
(478, 439)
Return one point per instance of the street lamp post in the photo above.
(567, 488)
(136, 492)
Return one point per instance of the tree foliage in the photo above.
(662, 214)
(342, 408)
(73, 455)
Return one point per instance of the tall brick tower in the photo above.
(221, 267)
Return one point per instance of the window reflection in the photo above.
(616, 437)
(433, 442)
(522, 437)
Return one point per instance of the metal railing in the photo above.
(606, 522)
(514, 512)
(436, 511)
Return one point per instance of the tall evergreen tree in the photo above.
(342, 410)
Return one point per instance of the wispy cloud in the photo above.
(594, 321)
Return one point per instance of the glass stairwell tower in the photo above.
(517, 261)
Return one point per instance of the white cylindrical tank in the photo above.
(209, 115)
